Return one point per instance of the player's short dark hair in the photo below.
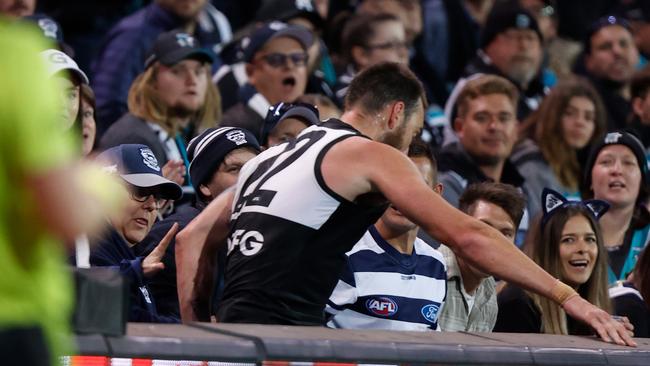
(420, 149)
(385, 83)
(506, 196)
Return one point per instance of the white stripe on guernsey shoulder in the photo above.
(350, 319)
(221, 72)
(392, 284)
(239, 71)
(299, 197)
(259, 104)
(225, 31)
(422, 248)
(343, 294)
(365, 243)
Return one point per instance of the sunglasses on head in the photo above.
(280, 59)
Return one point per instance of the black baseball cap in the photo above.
(173, 47)
(138, 166)
(305, 112)
(253, 43)
(504, 17)
(285, 10)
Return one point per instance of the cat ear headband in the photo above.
(552, 201)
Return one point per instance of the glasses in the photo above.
(142, 195)
(395, 45)
(280, 59)
(277, 111)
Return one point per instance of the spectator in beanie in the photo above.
(216, 156)
(617, 172)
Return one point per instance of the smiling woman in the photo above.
(566, 242)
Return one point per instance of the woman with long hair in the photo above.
(567, 243)
(556, 136)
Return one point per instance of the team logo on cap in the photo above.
(522, 21)
(149, 159)
(612, 137)
(49, 27)
(184, 40)
(58, 57)
(237, 137)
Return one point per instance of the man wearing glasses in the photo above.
(149, 191)
(276, 67)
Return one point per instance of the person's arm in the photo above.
(379, 167)
(196, 248)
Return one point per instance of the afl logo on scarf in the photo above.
(381, 306)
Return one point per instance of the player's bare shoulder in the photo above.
(348, 165)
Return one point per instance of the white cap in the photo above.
(56, 61)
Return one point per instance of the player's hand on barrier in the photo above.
(174, 170)
(152, 263)
(608, 328)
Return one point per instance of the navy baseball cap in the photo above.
(253, 43)
(138, 166)
(305, 112)
(173, 47)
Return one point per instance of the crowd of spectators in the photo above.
(536, 122)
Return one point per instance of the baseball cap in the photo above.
(173, 47)
(207, 150)
(57, 61)
(253, 43)
(503, 17)
(305, 112)
(48, 26)
(138, 166)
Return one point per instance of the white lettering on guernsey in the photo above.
(249, 242)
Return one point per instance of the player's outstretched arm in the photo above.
(196, 248)
(379, 167)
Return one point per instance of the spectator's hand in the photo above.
(174, 170)
(607, 328)
(152, 263)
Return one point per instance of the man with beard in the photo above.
(122, 56)
(298, 207)
(610, 60)
(170, 100)
(276, 65)
(486, 126)
(511, 46)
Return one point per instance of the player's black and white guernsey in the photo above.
(290, 232)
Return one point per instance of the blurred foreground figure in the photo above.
(43, 202)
